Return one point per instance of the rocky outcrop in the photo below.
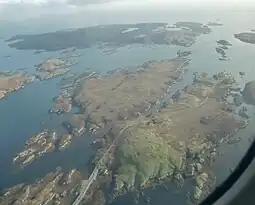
(200, 184)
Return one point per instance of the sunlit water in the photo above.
(25, 112)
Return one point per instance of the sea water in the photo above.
(25, 112)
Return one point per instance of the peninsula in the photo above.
(247, 37)
(13, 82)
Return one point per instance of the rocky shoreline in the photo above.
(246, 37)
(117, 35)
(221, 49)
(13, 82)
(143, 131)
(40, 144)
(52, 67)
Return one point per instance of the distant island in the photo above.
(181, 33)
(247, 37)
(210, 23)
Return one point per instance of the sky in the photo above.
(25, 9)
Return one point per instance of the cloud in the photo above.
(23, 9)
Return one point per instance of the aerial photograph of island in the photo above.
(115, 102)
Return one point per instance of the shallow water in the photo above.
(23, 111)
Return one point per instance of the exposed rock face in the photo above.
(249, 93)
(200, 183)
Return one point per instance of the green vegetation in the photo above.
(115, 35)
(143, 155)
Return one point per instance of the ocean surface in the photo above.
(25, 112)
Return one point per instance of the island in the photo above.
(13, 82)
(116, 35)
(39, 144)
(211, 23)
(223, 45)
(247, 37)
(103, 99)
(145, 132)
(56, 187)
(156, 137)
(51, 67)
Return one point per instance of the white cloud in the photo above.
(22, 9)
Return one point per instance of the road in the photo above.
(87, 183)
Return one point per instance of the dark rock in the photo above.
(249, 93)
(190, 170)
(76, 125)
(241, 73)
(220, 51)
(235, 89)
(206, 120)
(242, 113)
(224, 47)
(224, 43)
(183, 53)
(178, 179)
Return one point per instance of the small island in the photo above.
(211, 23)
(223, 45)
(51, 68)
(13, 82)
(39, 144)
(247, 37)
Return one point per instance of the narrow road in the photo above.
(87, 183)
